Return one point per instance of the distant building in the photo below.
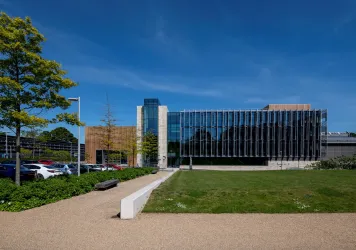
(28, 143)
(340, 144)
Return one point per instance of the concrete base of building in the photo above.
(289, 164)
(272, 165)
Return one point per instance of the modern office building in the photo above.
(288, 134)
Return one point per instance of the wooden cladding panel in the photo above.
(123, 137)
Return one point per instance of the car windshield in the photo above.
(23, 168)
(52, 167)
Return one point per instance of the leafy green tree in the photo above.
(57, 155)
(32, 133)
(30, 84)
(59, 134)
(25, 153)
(45, 136)
(149, 147)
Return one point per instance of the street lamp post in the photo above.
(77, 99)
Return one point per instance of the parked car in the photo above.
(102, 167)
(46, 162)
(64, 168)
(91, 167)
(85, 168)
(22, 162)
(9, 162)
(9, 171)
(114, 166)
(29, 162)
(43, 172)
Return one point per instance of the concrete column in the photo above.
(162, 136)
(139, 134)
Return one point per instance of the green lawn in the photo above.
(256, 192)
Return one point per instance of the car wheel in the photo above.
(40, 176)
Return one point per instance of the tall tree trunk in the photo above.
(18, 151)
(133, 158)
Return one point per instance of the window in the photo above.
(33, 167)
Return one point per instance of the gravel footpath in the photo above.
(89, 222)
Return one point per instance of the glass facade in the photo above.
(173, 135)
(150, 115)
(251, 137)
(286, 134)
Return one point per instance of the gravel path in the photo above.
(89, 222)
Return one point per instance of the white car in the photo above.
(43, 172)
(64, 168)
(100, 167)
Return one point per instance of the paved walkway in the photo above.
(89, 222)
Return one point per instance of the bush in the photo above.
(40, 192)
(341, 162)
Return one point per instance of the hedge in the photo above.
(40, 192)
(340, 162)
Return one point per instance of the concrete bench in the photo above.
(106, 184)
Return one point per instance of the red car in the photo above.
(46, 162)
(114, 166)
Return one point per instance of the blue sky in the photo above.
(201, 54)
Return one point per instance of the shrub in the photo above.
(341, 162)
(40, 192)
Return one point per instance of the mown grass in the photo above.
(256, 192)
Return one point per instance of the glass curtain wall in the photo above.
(150, 116)
(289, 135)
(150, 124)
(173, 135)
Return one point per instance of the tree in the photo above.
(61, 134)
(25, 153)
(87, 157)
(33, 133)
(45, 136)
(107, 131)
(130, 143)
(30, 84)
(352, 134)
(149, 147)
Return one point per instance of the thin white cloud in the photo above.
(117, 76)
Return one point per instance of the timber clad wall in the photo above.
(289, 107)
(271, 134)
(124, 139)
